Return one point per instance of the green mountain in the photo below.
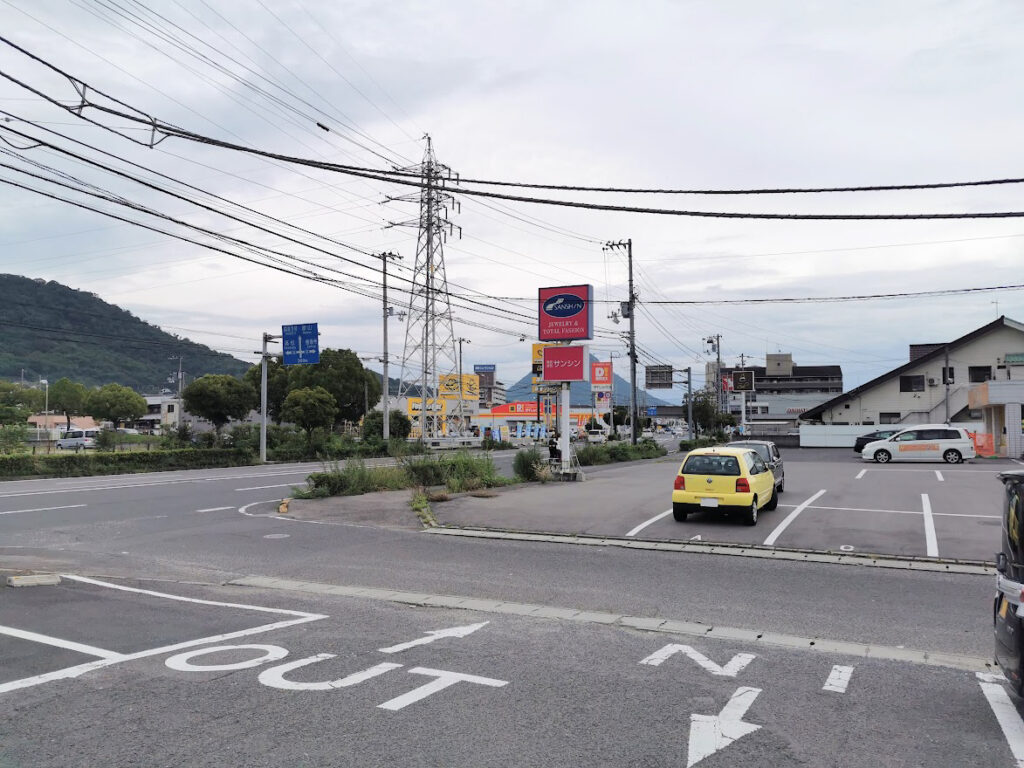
(50, 331)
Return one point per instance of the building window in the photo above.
(912, 383)
(947, 376)
(889, 418)
(170, 408)
(979, 373)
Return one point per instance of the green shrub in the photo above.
(13, 438)
(490, 444)
(424, 471)
(525, 464)
(700, 442)
(85, 463)
(106, 440)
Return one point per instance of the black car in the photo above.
(871, 437)
(1008, 624)
(769, 453)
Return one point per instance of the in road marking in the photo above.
(214, 509)
(1007, 717)
(838, 679)
(69, 645)
(939, 476)
(774, 535)
(264, 487)
(654, 519)
(733, 667)
(41, 509)
(929, 527)
(861, 474)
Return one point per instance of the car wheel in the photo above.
(952, 456)
(60, 447)
(751, 517)
(882, 457)
(773, 502)
(679, 512)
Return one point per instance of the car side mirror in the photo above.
(1002, 563)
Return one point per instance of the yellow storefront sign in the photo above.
(414, 405)
(448, 386)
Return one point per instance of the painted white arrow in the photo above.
(436, 634)
(710, 733)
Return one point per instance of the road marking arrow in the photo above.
(733, 667)
(710, 733)
(436, 634)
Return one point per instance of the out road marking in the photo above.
(274, 677)
(781, 527)
(654, 519)
(838, 679)
(929, 527)
(939, 476)
(1007, 717)
(733, 667)
(41, 509)
(442, 680)
(69, 645)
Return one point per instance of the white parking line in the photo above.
(1007, 717)
(929, 527)
(654, 519)
(861, 474)
(774, 535)
(896, 511)
(41, 509)
(939, 476)
(838, 680)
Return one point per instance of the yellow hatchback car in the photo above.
(724, 480)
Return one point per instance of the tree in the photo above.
(219, 398)
(68, 397)
(309, 408)
(115, 403)
(18, 402)
(705, 415)
(277, 386)
(398, 423)
(342, 374)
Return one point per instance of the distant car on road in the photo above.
(769, 453)
(724, 480)
(76, 439)
(871, 437)
(922, 442)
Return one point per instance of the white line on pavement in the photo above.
(929, 527)
(264, 487)
(654, 519)
(861, 474)
(895, 511)
(939, 476)
(69, 645)
(838, 679)
(1007, 717)
(214, 509)
(774, 535)
(41, 509)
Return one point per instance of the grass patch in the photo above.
(700, 442)
(619, 451)
(421, 506)
(88, 463)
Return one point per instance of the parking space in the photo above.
(374, 681)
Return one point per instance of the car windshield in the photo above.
(762, 449)
(711, 465)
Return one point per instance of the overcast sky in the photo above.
(647, 94)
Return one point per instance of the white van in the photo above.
(922, 442)
(76, 439)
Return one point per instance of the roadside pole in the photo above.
(267, 338)
(385, 381)
(564, 443)
(689, 404)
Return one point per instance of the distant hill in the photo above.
(51, 331)
(579, 393)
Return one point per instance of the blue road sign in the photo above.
(300, 344)
(652, 410)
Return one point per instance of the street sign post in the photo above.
(652, 410)
(300, 344)
(658, 377)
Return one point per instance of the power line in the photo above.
(861, 297)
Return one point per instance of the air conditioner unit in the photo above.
(932, 382)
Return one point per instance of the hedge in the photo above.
(86, 463)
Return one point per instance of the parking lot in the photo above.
(833, 502)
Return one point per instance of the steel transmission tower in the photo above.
(430, 344)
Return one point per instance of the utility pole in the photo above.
(630, 307)
(177, 391)
(388, 312)
(264, 355)
(689, 404)
(716, 344)
(462, 417)
(945, 380)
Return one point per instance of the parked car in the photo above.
(1008, 623)
(597, 436)
(871, 437)
(724, 480)
(76, 439)
(923, 442)
(769, 453)
(127, 431)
